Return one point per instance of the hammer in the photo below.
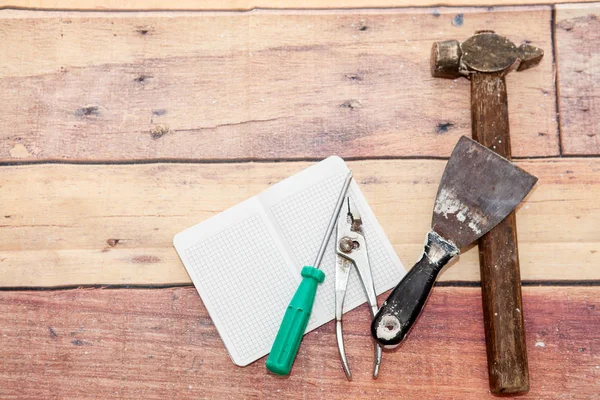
(485, 59)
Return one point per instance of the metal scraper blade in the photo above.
(479, 189)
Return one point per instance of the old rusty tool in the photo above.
(479, 189)
(485, 59)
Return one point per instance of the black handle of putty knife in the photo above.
(402, 307)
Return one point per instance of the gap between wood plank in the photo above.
(324, 7)
(459, 284)
(262, 160)
(556, 77)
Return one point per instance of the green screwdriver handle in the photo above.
(284, 350)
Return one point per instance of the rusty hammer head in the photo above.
(485, 52)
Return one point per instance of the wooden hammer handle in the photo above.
(498, 251)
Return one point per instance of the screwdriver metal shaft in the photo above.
(292, 328)
(333, 220)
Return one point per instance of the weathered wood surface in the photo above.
(499, 251)
(272, 85)
(162, 344)
(248, 4)
(578, 58)
(114, 224)
(259, 85)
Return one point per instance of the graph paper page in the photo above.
(242, 275)
(302, 209)
(245, 262)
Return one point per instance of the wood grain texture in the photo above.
(162, 344)
(114, 224)
(268, 85)
(247, 4)
(499, 251)
(578, 58)
(259, 85)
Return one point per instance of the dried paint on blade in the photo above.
(448, 204)
(474, 227)
(388, 327)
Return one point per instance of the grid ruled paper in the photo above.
(262, 281)
(245, 262)
(315, 204)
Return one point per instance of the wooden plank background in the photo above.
(260, 85)
(577, 31)
(123, 128)
(114, 224)
(146, 5)
(161, 343)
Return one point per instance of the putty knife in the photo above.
(479, 189)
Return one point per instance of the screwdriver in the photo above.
(284, 350)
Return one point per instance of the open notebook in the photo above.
(245, 262)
